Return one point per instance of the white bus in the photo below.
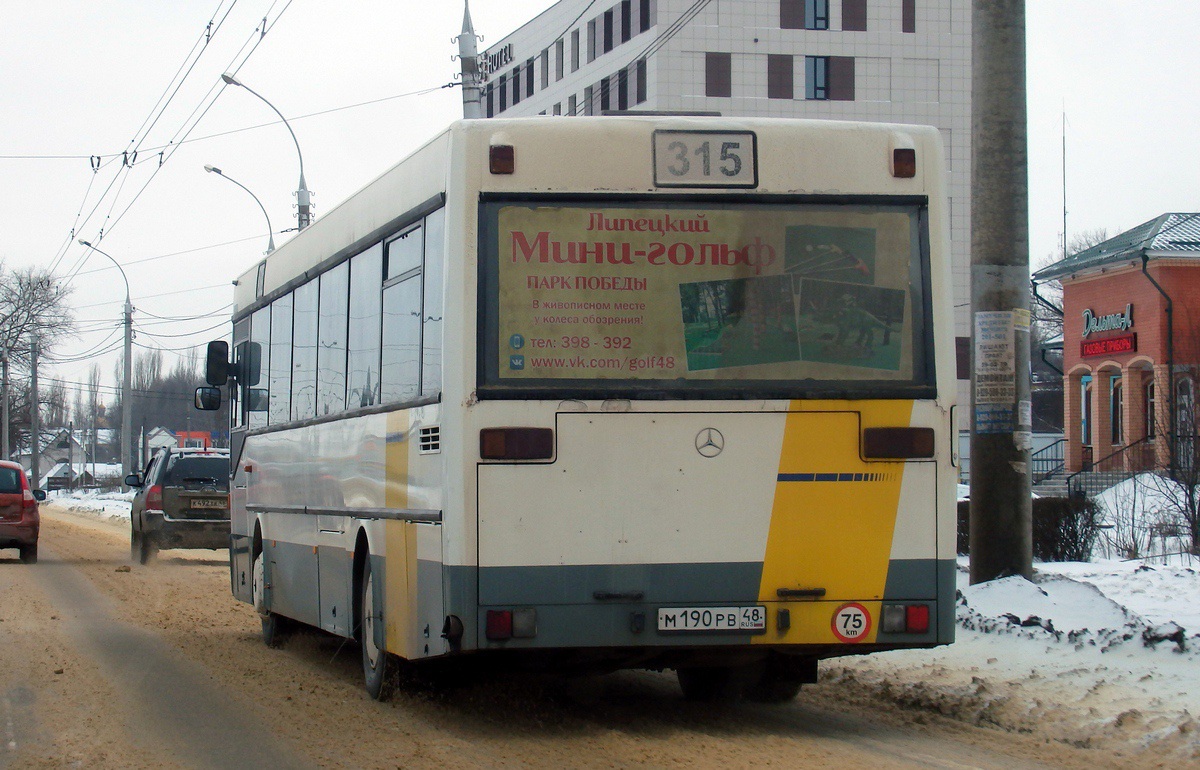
(615, 392)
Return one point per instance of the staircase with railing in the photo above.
(1126, 462)
(1048, 466)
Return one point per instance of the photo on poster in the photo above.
(739, 322)
(850, 324)
(831, 253)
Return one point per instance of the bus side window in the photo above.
(431, 334)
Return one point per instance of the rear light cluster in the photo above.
(154, 498)
(516, 443)
(897, 443)
(511, 624)
(28, 501)
(906, 618)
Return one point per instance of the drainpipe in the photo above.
(1170, 362)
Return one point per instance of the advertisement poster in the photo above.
(749, 292)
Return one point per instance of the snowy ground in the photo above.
(1103, 655)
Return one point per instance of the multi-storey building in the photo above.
(900, 61)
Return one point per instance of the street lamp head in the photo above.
(85, 243)
(230, 79)
(212, 169)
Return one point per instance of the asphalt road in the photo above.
(108, 664)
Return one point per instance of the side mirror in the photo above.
(39, 495)
(208, 399)
(133, 480)
(216, 364)
(256, 400)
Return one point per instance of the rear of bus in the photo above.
(713, 395)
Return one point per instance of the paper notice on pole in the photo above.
(995, 382)
(995, 358)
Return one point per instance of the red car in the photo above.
(19, 520)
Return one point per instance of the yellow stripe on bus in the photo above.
(834, 515)
(396, 461)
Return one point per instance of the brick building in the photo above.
(1131, 346)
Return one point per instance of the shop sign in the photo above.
(1115, 322)
(1109, 346)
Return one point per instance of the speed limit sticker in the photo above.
(851, 623)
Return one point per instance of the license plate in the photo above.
(208, 503)
(689, 619)
(705, 159)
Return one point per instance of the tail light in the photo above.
(516, 443)
(28, 501)
(154, 497)
(499, 625)
(906, 618)
(897, 443)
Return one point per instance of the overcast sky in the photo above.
(81, 78)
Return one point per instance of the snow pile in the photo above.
(111, 504)
(1103, 655)
(1143, 517)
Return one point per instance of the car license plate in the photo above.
(689, 619)
(208, 503)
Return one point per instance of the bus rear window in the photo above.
(725, 300)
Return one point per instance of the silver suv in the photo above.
(182, 502)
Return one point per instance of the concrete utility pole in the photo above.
(1001, 537)
(35, 428)
(468, 57)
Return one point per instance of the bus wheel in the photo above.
(274, 627)
(713, 683)
(378, 668)
(774, 688)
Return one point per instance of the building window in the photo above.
(503, 93)
(816, 77)
(1149, 406)
(591, 41)
(623, 90)
(1085, 424)
(1117, 411)
(854, 15)
(558, 61)
(804, 14)
(588, 105)
(641, 81)
(718, 74)
(829, 77)
(908, 16)
(574, 50)
(516, 86)
(546, 69)
(643, 15)
(491, 101)
(572, 105)
(626, 20)
(779, 77)
(529, 77)
(605, 95)
(608, 30)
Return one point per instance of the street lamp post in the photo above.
(303, 196)
(127, 385)
(270, 232)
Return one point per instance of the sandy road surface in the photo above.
(103, 665)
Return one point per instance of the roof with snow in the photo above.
(1170, 235)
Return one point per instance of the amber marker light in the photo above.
(502, 159)
(904, 162)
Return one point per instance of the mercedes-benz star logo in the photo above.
(710, 442)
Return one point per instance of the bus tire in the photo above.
(378, 666)
(274, 626)
(713, 684)
(774, 688)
